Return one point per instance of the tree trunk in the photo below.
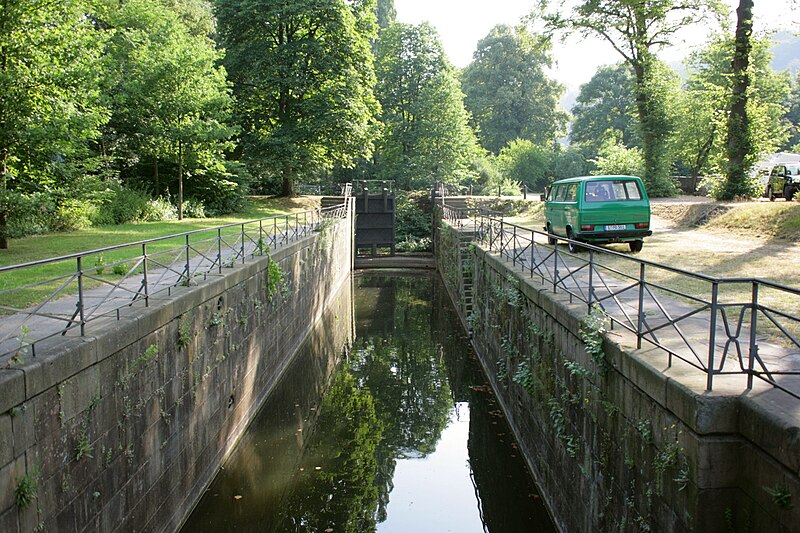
(654, 127)
(156, 185)
(287, 185)
(180, 180)
(740, 145)
(4, 200)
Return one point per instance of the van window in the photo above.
(569, 194)
(562, 191)
(551, 193)
(612, 191)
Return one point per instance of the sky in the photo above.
(461, 23)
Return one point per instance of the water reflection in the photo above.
(407, 436)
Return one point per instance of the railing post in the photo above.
(591, 280)
(275, 232)
(144, 275)
(514, 248)
(502, 232)
(260, 237)
(753, 328)
(555, 268)
(188, 259)
(80, 296)
(242, 246)
(219, 249)
(533, 249)
(640, 311)
(712, 334)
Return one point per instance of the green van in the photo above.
(598, 210)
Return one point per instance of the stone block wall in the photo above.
(123, 429)
(615, 442)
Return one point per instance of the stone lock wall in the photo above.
(615, 443)
(122, 430)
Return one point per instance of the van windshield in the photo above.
(612, 191)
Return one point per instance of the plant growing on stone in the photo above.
(27, 488)
(84, 448)
(23, 341)
(593, 329)
(99, 264)
(780, 496)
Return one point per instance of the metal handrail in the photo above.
(707, 333)
(145, 275)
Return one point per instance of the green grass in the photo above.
(60, 244)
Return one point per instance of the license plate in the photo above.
(616, 227)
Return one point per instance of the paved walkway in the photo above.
(58, 316)
(675, 323)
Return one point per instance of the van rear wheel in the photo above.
(572, 246)
(636, 246)
(788, 192)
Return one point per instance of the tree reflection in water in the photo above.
(409, 370)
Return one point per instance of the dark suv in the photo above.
(783, 182)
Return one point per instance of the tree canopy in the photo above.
(604, 103)
(426, 134)
(507, 92)
(636, 30)
(302, 74)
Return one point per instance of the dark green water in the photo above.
(404, 436)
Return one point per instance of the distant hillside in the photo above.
(786, 51)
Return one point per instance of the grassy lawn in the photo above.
(60, 244)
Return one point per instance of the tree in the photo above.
(302, 75)
(171, 99)
(523, 161)
(507, 91)
(614, 158)
(385, 13)
(49, 103)
(636, 30)
(740, 143)
(606, 102)
(704, 104)
(792, 116)
(426, 134)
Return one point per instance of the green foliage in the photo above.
(413, 216)
(780, 496)
(158, 209)
(507, 92)
(83, 448)
(276, 280)
(791, 116)
(304, 99)
(150, 353)
(426, 134)
(615, 158)
(524, 377)
(606, 102)
(121, 205)
(27, 488)
(524, 162)
(593, 329)
(49, 96)
(703, 107)
(636, 31)
(194, 208)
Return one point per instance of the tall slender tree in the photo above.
(427, 137)
(740, 143)
(302, 74)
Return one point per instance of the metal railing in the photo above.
(720, 326)
(72, 291)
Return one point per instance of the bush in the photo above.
(121, 206)
(158, 209)
(413, 216)
(72, 214)
(194, 208)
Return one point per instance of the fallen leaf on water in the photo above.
(317, 468)
(237, 497)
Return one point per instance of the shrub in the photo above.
(158, 209)
(413, 217)
(121, 206)
(193, 208)
(72, 214)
